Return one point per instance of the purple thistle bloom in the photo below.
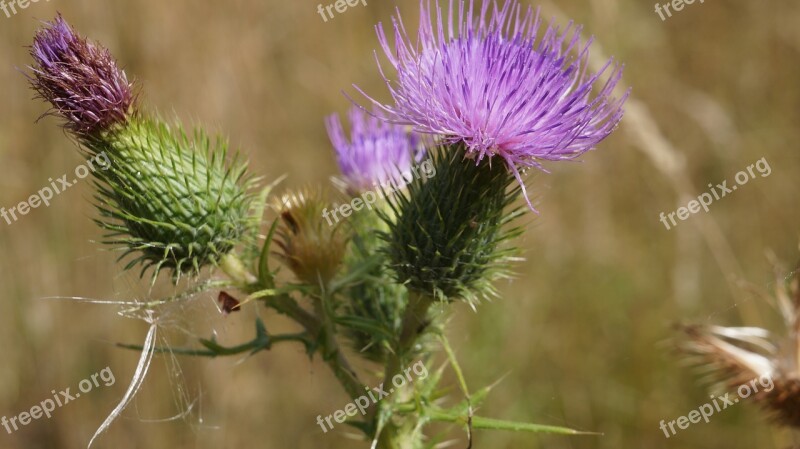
(80, 79)
(378, 152)
(487, 81)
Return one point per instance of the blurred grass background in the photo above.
(582, 335)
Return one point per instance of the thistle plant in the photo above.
(480, 100)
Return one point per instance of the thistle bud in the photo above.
(170, 199)
(311, 248)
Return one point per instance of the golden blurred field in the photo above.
(582, 335)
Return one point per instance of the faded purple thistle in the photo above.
(377, 152)
(80, 79)
(486, 80)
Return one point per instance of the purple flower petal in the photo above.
(377, 152)
(80, 79)
(489, 81)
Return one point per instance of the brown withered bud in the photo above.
(736, 356)
(310, 247)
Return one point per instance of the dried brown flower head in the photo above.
(736, 355)
(311, 248)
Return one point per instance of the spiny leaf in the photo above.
(479, 422)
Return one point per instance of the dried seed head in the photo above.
(311, 248)
(737, 355)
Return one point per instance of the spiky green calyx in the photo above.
(446, 241)
(171, 200)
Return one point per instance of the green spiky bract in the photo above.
(446, 240)
(171, 200)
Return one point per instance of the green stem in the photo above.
(257, 344)
(286, 305)
(331, 352)
(414, 322)
(320, 326)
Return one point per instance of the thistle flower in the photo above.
(80, 79)
(377, 152)
(309, 247)
(737, 355)
(486, 80)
